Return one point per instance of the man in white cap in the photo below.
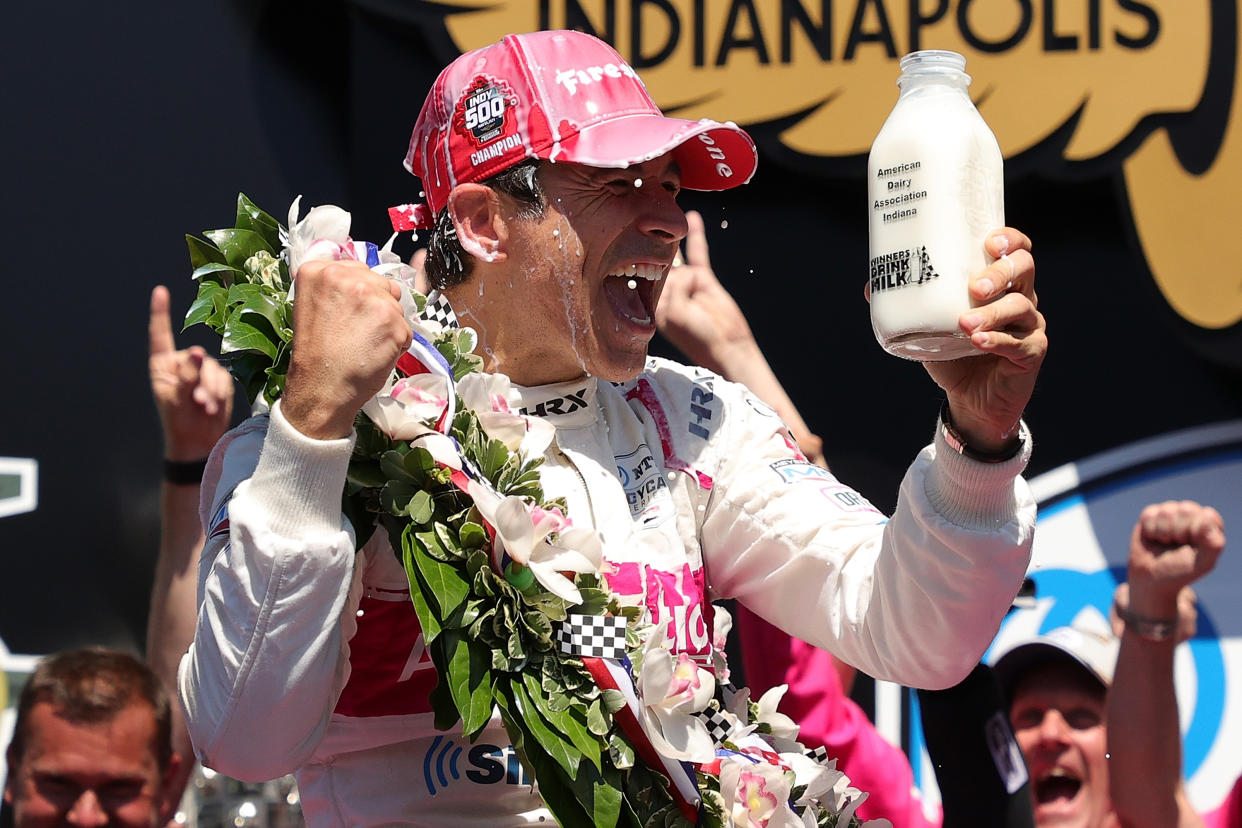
(551, 181)
(1064, 702)
(1057, 685)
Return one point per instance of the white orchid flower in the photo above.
(841, 798)
(410, 406)
(525, 533)
(672, 689)
(488, 396)
(815, 777)
(756, 794)
(783, 727)
(322, 236)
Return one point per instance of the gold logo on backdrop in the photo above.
(1095, 68)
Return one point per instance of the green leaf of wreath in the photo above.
(597, 722)
(493, 458)
(472, 536)
(444, 582)
(365, 473)
(396, 496)
(208, 307)
(392, 464)
(420, 507)
(607, 800)
(556, 745)
(251, 217)
(202, 252)
(258, 303)
(427, 618)
(554, 787)
(238, 245)
(613, 700)
(564, 719)
(242, 336)
(470, 680)
(216, 272)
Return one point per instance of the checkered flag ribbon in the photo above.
(438, 310)
(717, 725)
(599, 636)
(819, 754)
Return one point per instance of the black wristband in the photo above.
(958, 443)
(184, 472)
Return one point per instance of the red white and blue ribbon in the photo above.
(611, 674)
(424, 358)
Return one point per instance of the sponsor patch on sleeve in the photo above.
(792, 470)
(802, 472)
(846, 499)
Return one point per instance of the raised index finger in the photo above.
(159, 328)
(696, 241)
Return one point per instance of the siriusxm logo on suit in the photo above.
(447, 762)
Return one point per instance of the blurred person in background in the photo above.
(1095, 716)
(92, 744)
(194, 397)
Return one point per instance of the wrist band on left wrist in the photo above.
(1151, 629)
(958, 443)
(184, 472)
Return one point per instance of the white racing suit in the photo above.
(308, 656)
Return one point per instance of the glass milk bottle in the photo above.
(935, 183)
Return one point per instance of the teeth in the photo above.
(646, 271)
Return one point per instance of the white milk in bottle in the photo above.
(936, 188)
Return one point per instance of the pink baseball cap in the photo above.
(560, 96)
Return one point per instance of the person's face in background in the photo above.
(77, 774)
(1057, 715)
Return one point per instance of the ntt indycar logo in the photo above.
(448, 762)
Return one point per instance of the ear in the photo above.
(170, 792)
(10, 781)
(481, 229)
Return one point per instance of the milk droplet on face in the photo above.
(631, 284)
(638, 182)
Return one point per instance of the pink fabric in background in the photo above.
(1229, 814)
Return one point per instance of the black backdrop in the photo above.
(128, 125)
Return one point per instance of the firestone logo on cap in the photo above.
(572, 78)
(485, 115)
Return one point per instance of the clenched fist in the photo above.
(348, 333)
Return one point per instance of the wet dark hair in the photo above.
(90, 686)
(447, 263)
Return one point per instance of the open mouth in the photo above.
(1057, 785)
(632, 292)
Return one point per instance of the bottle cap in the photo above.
(935, 60)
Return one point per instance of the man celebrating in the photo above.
(91, 745)
(552, 184)
(1096, 716)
